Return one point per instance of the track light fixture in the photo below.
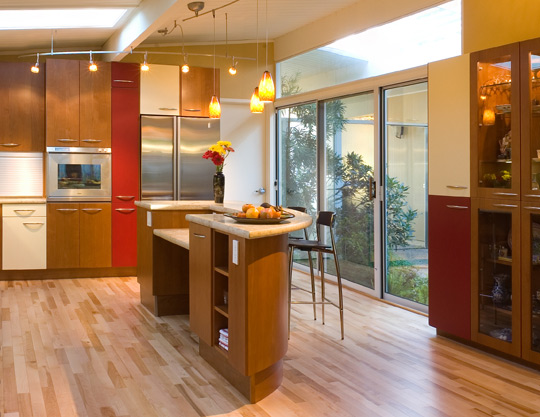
(232, 68)
(185, 67)
(35, 67)
(144, 65)
(92, 67)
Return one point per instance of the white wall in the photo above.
(245, 169)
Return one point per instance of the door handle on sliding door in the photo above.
(372, 192)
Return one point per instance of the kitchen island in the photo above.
(238, 294)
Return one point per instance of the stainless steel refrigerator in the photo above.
(172, 167)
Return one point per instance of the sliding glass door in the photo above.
(406, 192)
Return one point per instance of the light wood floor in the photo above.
(85, 347)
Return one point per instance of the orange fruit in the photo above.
(252, 213)
(246, 207)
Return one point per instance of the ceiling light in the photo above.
(232, 68)
(92, 67)
(35, 67)
(256, 105)
(185, 67)
(144, 65)
(214, 109)
(267, 90)
(60, 18)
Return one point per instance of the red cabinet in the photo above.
(450, 264)
(125, 162)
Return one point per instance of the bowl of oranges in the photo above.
(263, 214)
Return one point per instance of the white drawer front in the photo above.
(24, 243)
(24, 210)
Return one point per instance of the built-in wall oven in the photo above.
(78, 174)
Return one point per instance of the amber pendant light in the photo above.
(267, 90)
(214, 110)
(255, 105)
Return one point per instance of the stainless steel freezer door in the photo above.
(157, 157)
(195, 176)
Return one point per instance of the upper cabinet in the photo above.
(495, 123)
(197, 88)
(160, 90)
(78, 104)
(22, 108)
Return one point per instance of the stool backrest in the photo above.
(326, 218)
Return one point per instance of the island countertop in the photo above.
(228, 207)
(251, 231)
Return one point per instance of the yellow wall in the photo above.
(499, 22)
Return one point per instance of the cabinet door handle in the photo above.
(457, 187)
(191, 109)
(67, 140)
(532, 195)
(505, 205)
(92, 210)
(457, 207)
(125, 197)
(91, 140)
(123, 81)
(504, 194)
(33, 223)
(532, 208)
(125, 210)
(68, 210)
(198, 235)
(10, 145)
(24, 211)
(167, 108)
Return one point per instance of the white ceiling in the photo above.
(147, 16)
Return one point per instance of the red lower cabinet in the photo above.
(450, 265)
(124, 235)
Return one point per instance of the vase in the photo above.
(500, 292)
(219, 187)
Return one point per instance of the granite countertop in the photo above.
(179, 237)
(228, 207)
(23, 200)
(251, 231)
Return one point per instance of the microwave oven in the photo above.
(78, 174)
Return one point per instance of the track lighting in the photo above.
(185, 67)
(232, 68)
(35, 67)
(144, 65)
(214, 109)
(92, 67)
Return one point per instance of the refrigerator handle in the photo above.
(176, 158)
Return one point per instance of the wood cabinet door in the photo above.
(200, 281)
(450, 264)
(95, 105)
(62, 235)
(22, 108)
(197, 89)
(95, 235)
(124, 234)
(62, 102)
(125, 144)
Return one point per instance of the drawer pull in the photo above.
(505, 205)
(123, 81)
(24, 211)
(167, 108)
(67, 210)
(125, 210)
(532, 195)
(191, 109)
(92, 210)
(532, 208)
(34, 223)
(125, 197)
(198, 235)
(67, 140)
(457, 187)
(505, 194)
(10, 145)
(91, 140)
(457, 207)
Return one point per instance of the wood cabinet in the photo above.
(24, 236)
(160, 90)
(450, 265)
(78, 235)
(22, 108)
(197, 88)
(78, 104)
(125, 162)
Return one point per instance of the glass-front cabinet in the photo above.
(530, 234)
(530, 118)
(495, 121)
(496, 307)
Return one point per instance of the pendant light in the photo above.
(214, 109)
(35, 67)
(255, 105)
(185, 67)
(267, 91)
(232, 68)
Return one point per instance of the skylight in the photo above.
(60, 18)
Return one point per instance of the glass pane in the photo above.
(406, 253)
(534, 134)
(494, 130)
(79, 176)
(297, 142)
(349, 136)
(427, 36)
(495, 274)
(535, 281)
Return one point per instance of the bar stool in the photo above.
(327, 219)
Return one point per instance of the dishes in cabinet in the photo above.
(503, 108)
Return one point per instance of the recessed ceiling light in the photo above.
(60, 18)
